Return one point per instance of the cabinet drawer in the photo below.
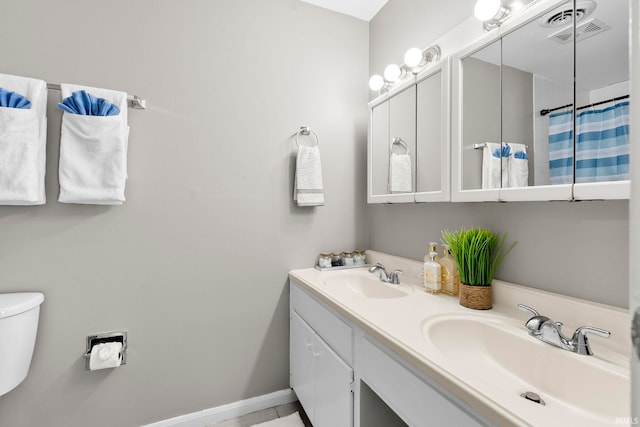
(413, 399)
(327, 325)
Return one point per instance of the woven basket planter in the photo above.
(476, 297)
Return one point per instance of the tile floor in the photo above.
(265, 415)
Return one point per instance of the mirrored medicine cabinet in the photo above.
(409, 140)
(516, 134)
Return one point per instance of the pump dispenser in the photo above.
(432, 275)
(449, 271)
(433, 247)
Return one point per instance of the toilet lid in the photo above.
(19, 302)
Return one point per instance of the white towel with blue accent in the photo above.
(23, 139)
(518, 165)
(307, 186)
(495, 166)
(93, 151)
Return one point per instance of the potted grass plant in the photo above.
(478, 253)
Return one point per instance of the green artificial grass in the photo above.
(478, 253)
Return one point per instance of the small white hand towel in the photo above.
(399, 173)
(495, 170)
(518, 168)
(308, 189)
(93, 152)
(23, 139)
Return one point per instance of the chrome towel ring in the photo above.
(306, 131)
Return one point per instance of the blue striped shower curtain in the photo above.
(561, 147)
(602, 145)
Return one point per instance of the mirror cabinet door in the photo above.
(392, 146)
(432, 135)
(402, 143)
(379, 152)
(480, 132)
(537, 74)
(602, 103)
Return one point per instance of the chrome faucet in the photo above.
(384, 275)
(546, 330)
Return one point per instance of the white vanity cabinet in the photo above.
(408, 394)
(331, 357)
(321, 379)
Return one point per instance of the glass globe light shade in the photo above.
(485, 10)
(413, 57)
(392, 73)
(376, 82)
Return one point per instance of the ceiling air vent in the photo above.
(583, 31)
(565, 15)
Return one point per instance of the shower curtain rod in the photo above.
(545, 112)
(133, 101)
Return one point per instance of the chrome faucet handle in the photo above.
(580, 341)
(535, 323)
(529, 309)
(375, 266)
(393, 277)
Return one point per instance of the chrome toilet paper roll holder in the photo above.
(106, 337)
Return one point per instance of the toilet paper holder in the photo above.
(105, 337)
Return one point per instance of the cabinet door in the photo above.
(379, 153)
(402, 143)
(392, 132)
(302, 363)
(333, 396)
(432, 134)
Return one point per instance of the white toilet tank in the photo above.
(19, 314)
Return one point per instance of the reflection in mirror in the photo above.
(537, 72)
(429, 134)
(481, 119)
(393, 140)
(602, 83)
(400, 167)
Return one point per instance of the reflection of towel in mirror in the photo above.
(307, 186)
(518, 166)
(495, 169)
(399, 173)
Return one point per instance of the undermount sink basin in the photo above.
(495, 352)
(366, 285)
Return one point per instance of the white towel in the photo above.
(93, 152)
(23, 139)
(518, 168)
(399, 173)
(495, 170)
(307, 188)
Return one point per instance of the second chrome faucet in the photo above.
(546, 330)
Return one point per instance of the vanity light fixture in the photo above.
(491, 12)
(415, 60)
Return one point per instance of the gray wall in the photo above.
(194, 264)
(577, 249)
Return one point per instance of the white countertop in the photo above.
(398, 323)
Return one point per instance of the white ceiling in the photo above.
(361, 9)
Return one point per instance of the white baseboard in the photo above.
(231, 410)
